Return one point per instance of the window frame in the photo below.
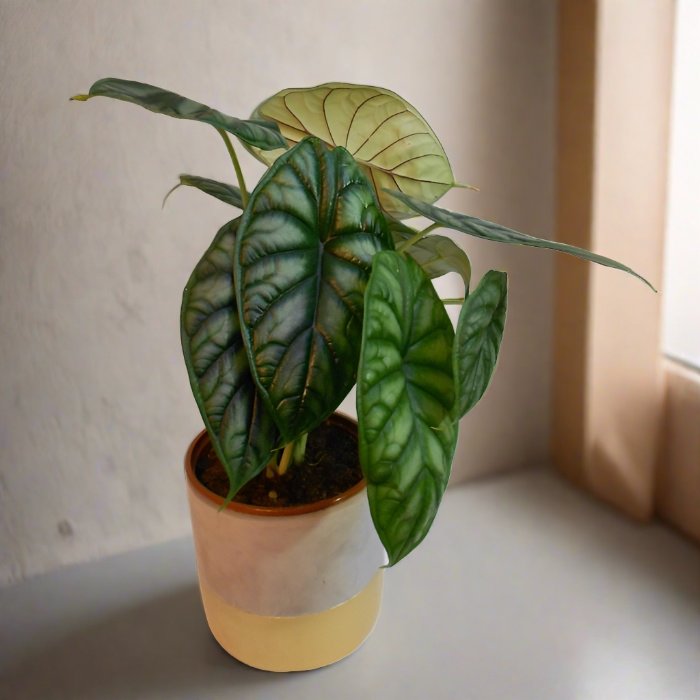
(622, 424)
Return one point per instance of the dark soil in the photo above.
(331, 467)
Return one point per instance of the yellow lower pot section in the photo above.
(294, 643)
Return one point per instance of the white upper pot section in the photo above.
(283, 565)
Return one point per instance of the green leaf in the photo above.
(405, 393)
(226, 193)
(500, 234)
(437, 255)
(303, 259)
(261, 134)
(240, 427)
(392, 142)
(478, 340)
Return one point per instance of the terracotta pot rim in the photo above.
(197, 446)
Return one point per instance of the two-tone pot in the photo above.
(286, 588)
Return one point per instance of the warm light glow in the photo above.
(681, 338)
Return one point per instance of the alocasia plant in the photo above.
(318, 284)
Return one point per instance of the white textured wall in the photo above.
(95, 409)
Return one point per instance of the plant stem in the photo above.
(453, 301)
(236, 165)
(286, 459)
(299, 451)
(431, 228)
(414, 239)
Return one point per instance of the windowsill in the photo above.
(525, 589)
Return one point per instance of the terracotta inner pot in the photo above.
(202, 444)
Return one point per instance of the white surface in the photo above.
(95, 407)
(524, 590)
(681, 337)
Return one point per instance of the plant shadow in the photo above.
(162, 648)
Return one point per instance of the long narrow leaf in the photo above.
(258, 133)
(500, 234)
(478, 340)
(221, 190)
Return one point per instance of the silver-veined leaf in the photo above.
(391, 141)
(437, 255)
(264, 135)
(405, 392)
(303, 259)
(500, 234)
(221, 190)
(241, 429)
(478, 340)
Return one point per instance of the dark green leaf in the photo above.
(303, 259)
(501, 234)
(240, 427)
(261, 134)
(437, 255)
(226, 193)
(405, 393)
(478, 340)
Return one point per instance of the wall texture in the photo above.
(95, 409)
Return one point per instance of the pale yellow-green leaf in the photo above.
(390, 140)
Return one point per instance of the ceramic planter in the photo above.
(287, 589)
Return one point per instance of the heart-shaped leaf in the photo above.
(303, 259)
(222, 191)
(387, 136)
(478, 340)
(240, 427)
(500, 234)
(261, 134)
(405, 393)
(437, 255)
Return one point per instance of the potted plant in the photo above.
(316, 285)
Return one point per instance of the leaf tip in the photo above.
(80, 98)
(643, 279)
(228, 499)
(169, 192)
(462, 186)
(502, 274)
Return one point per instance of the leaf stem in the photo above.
(299, 451)
(236, 165)
(286, 459)
(453, 301)
(414, 239)
(431, 228)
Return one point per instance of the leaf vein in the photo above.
(378, 127)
